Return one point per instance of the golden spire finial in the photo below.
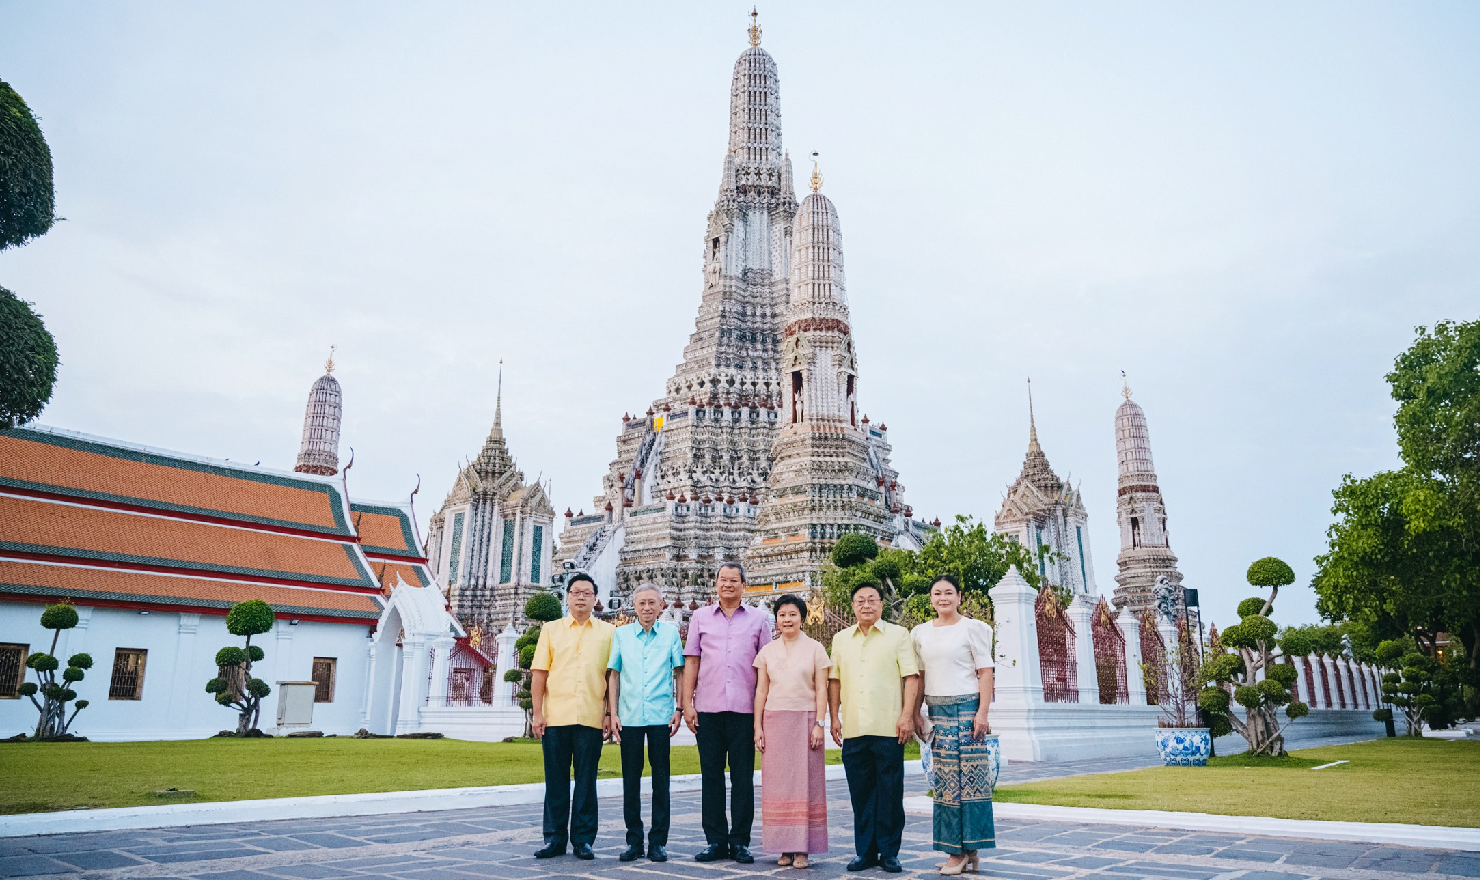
(755, 28)
(816, 174)
(329, 364)
(1125, 385)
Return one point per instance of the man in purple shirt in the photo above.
(719, 659)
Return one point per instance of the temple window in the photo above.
(323, 679)
(12, 670)
(127, 682)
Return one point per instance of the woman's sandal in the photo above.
(785, 861)
(800, 861)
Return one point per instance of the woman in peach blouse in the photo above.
(790, 705)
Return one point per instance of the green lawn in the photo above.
(1419, 781)
(39, 777)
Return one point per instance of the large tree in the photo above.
(28, 354)
(28, 362)
(27, 200)
(1403, 556)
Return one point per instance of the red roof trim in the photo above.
(207, 573)
(84, 600)
(175, 514)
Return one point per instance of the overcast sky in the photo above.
(1248, 207)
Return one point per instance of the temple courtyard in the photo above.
(496, 844)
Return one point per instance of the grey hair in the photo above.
(643, 588)
(735, 565)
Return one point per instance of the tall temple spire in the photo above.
(318, 453)
(1145, 547)
(755, 27)
(816, 174)
(1032, 424)
(498, 403)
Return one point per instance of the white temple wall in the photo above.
(181, 654)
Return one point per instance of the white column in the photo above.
(1301, 690)
(441, 663)
(503, 691)
(1135, 676)
(1081, 614)
(414, 669)
(1331, 678)
(1017, 678)
(183, 688)
(365, 698)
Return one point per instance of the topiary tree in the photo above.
(55, 695)
(539, 609)
(854, 548)
(28, 354)
(1235, 673)
(234, 685)
(1414, 688)
(28, 362)
(27, 196)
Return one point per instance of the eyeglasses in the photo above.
(865, 600)
(581, 593)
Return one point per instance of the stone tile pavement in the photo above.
(495, 844)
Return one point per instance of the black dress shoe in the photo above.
(712, 853)
(863, 864)
(631, 853)
(583, 851)
(891, 865)
(741, 854)
(550, 851)
(657, 853)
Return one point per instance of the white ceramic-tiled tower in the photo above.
(1145, 548)
(319, 451)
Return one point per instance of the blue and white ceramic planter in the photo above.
(1184, 746)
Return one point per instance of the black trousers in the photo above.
(727, 737)
(874, 766)
(563, 746)
(656, 739)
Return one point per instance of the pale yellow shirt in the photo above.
(575, 655)
(870, 671)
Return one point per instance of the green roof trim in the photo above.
(366, 580)
(115, 596)
(332, 492)
(406, 531)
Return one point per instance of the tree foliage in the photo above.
(543, 607)
(1233, 676)
(540, 608)
(28, 362)
(234, 686)
(1423, 689)
(27, 196)
(1403, 556)
(55, 695)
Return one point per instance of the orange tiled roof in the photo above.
(46, 460)
(95, 584)
(415, 575)
(54, 529)
(384, 529)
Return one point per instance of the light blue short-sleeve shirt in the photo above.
(645, 660)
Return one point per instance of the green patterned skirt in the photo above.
(961, 766)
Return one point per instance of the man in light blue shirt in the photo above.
(646, 659)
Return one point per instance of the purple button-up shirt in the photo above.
(726, 648)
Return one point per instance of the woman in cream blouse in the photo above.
(955, 658)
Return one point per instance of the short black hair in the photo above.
(732, 564)
(868, 583)
(948, 578)
(577, 578)
(794, 601)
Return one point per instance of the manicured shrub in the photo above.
(234, 687)
(1235, 672)
(52, 707)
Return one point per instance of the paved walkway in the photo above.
(496, 843)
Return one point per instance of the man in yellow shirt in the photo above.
(871, 695)
(568, 690)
